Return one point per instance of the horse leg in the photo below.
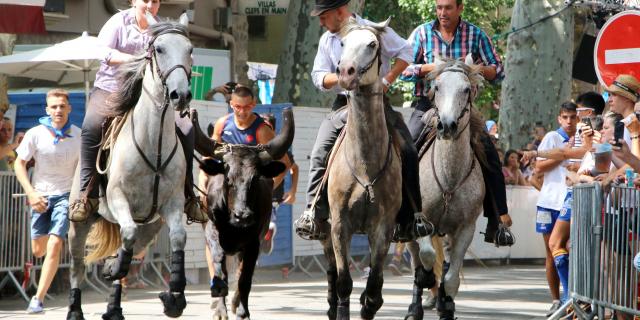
(77, 239)
(371, 298)
(173, 300)
(459, 243)
(423, 278)
(341, 237)
(248, 265)
(219, 285)
(118, 267)
(114, 310)
(332, 278)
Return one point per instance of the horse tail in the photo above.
(103, 240)
(437, 246)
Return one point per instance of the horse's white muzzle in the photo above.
(348, 76)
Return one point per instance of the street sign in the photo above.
(617, 49)
(263, 7)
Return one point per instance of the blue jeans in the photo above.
(54, 220)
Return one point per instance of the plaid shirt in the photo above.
(427, 43)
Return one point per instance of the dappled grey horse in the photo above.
(146, 174)
(451, 183)
(364, 179)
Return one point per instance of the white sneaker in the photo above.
(35, 306)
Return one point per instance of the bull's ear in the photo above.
(212, 167)
(272, 169)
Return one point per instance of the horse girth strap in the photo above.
(159, 167)
(447, 195)
(368, 187)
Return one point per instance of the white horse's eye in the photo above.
(467, 90)
(159, 50)
(435, 88)
(341, 44)
(372, 44)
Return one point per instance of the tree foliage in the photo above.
(493, 16)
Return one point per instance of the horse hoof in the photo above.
(116, 268)
(75, 315)
(174, 303)
(219, 288)
(113, 314)
(415, 312)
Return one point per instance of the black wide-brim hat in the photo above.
(326, 5)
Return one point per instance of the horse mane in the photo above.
(131, 74)
(353, 24)
(473, 72)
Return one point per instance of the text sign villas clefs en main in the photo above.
(263, 7)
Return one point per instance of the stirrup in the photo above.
(195, 211)
(307, 228)
(504, 237)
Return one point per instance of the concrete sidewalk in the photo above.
(505, 292)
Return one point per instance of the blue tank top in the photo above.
(234, 135)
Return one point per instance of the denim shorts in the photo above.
(54, 220)
(565, 212)
(546, 219)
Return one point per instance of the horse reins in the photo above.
(447, 195)
(159, 167)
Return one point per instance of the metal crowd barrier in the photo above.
(605, 230)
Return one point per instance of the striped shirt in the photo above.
(427, 43)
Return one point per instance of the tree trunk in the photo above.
(240, 54)
(7, 41)
(537, 69)
(293, 82)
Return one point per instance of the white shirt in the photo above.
(330, 50)
(55, 163)
(554, 188)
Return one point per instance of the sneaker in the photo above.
(81, 208)
(395, 268)
(266, 246)
(429, 302)
(309, 228)
(35, 306)
(554, 307)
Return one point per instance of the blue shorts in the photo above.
(54, 220)
(565, 212)
(546, 219)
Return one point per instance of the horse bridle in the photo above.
(159, 167)
(467, 107)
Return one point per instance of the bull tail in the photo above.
(103, 240)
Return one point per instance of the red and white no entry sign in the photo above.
(617, 49)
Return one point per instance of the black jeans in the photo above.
(92, 136)
(328, 134)
(495, 200)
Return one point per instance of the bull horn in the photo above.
(278, 147)
(203, 144)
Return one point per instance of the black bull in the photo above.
(239, 192)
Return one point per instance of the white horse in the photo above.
(146, 175)
(451, 182)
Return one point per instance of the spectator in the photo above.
(7, 153)
(55, 145)
(538, 134)
(553, 191)
(511, 169)
(492, 128)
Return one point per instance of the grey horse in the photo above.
(364, 179)
(451, 182)
(146, 174)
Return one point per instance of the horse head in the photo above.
(360, 60)
(170, 52)
(241, 181)
(454, 87)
